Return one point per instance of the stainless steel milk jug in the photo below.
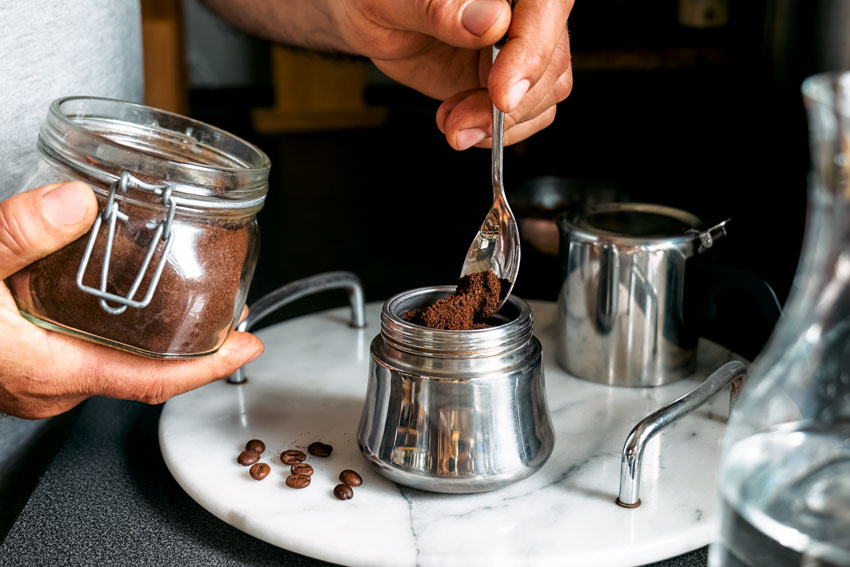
(621, 301)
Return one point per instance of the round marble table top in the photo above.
(309, 386)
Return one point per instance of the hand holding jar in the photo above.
(60, 371)
(190, 310)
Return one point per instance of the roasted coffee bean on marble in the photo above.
(350, 477)
(298, 481)
(320, 449)
(343, 492)
(260, 471)
(255, 445)
(301, 468)
(248, 458)
(292, 456)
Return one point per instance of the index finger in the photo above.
(536, 28)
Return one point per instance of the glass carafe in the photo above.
(784, 479)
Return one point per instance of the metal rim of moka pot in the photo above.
(513, 328)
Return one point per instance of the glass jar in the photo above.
(784, 477)
(164, 272)
(455, 411)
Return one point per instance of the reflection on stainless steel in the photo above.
(455, 411)
(620, 304)
(630, 462)
(292, 291)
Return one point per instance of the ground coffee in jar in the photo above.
(177, 231)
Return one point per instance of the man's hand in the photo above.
(440, 48)
(43, 373)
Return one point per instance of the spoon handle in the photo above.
(497, 146)
(498, 134)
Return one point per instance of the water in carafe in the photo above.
(784, 478)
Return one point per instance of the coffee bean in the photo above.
(298, 481)
(255, 445)
(301, 468)
(292, 456)
(260, 471)
(351, 478)
(248, 457)
(343, 492)
(320, 449)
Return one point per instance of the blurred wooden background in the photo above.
(164, 55)
(311, 92)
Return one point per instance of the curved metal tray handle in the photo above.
(651, 425)
(292, 291)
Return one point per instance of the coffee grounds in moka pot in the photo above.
(476, 298)
(193, 306)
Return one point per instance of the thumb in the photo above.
(35, 223)
(469, 24)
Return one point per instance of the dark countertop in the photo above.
(108, 498)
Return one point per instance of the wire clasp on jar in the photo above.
(110, 215)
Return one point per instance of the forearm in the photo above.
(302, 23)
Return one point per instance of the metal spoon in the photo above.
(496, 246)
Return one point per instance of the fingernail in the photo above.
(517, 92)
(65, 205)
(469, 137)
(479, 15)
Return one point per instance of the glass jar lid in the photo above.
(204, 166)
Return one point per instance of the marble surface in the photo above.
(310, 385)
